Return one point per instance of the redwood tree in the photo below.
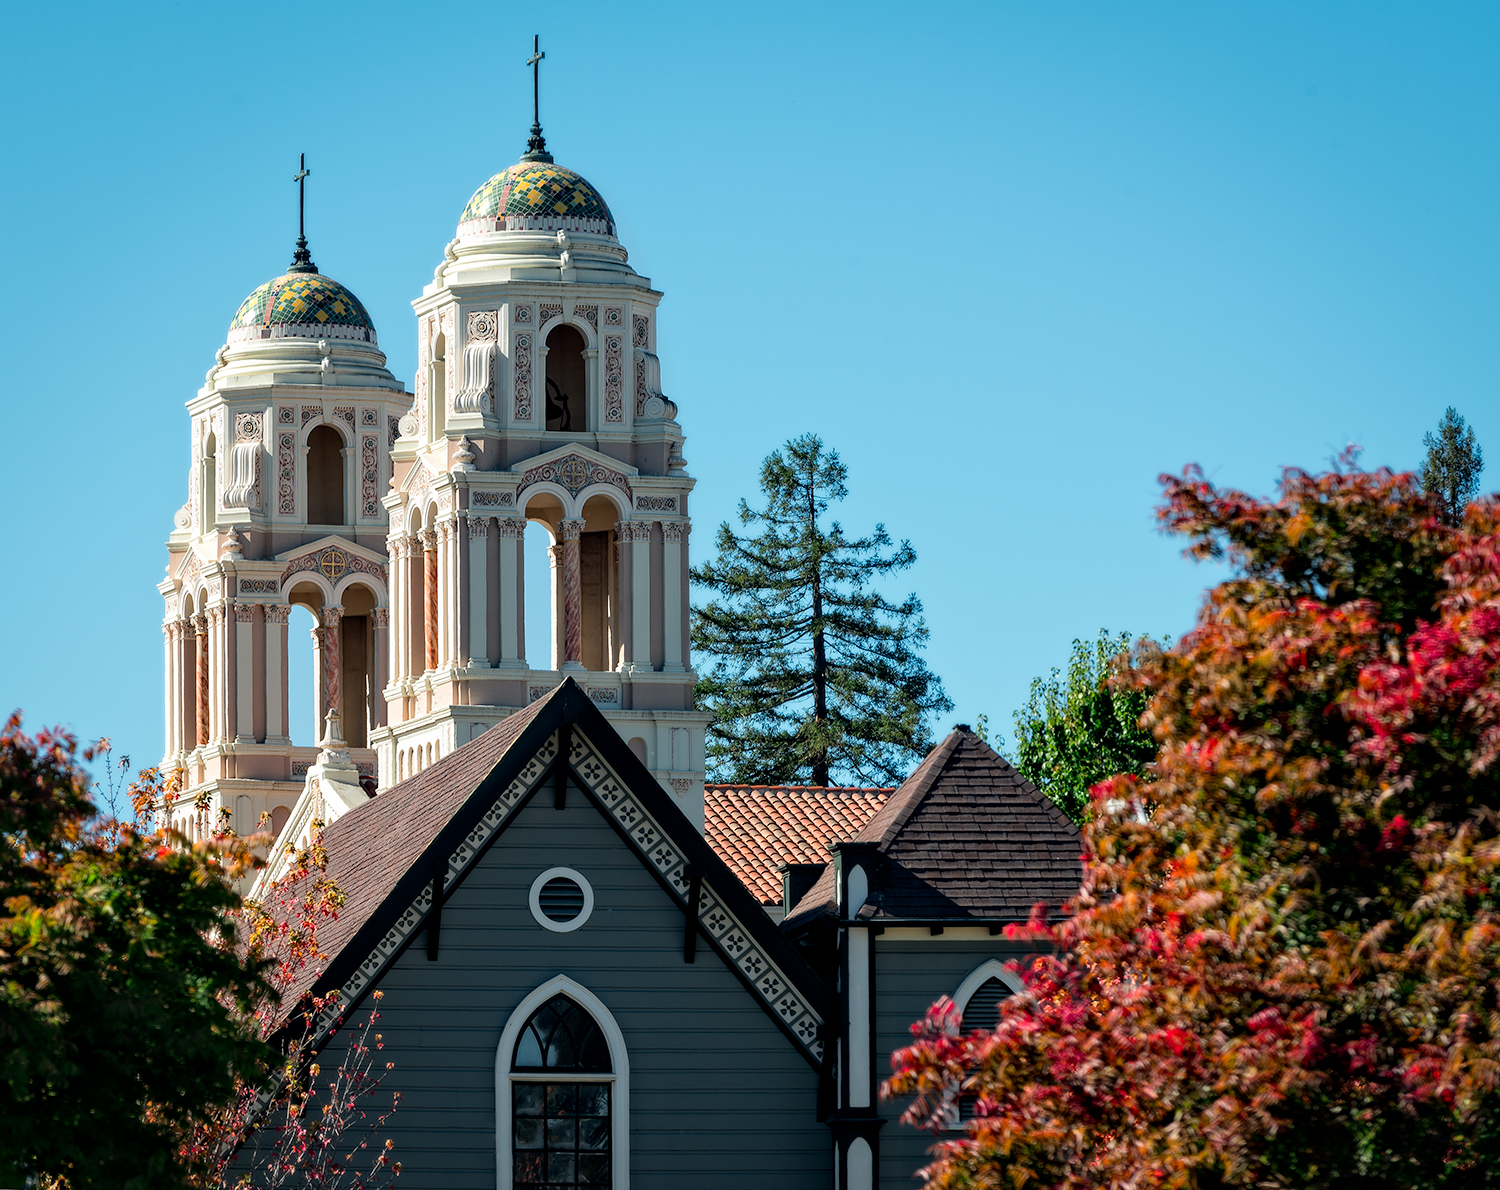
(1283, 967)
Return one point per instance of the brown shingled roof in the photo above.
(966, 836)
(755, 828)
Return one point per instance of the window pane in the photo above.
(530, 1099)
(528, 1050)
(570, 1147)
(528, 1132)
(561, 1035)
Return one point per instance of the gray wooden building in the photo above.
(579, 990)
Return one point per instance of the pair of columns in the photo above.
(211, 669)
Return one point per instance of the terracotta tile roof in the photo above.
(754, 828)
(966, 836)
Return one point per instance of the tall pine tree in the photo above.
(1450, 472)
(809, 672)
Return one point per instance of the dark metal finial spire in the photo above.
(536, 147)
(302, 258)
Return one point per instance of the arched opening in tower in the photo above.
(325, 477)
(437, 388)
(540, 611)
(302, 626)
(600, 587)
(567, 404)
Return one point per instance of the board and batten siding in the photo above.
(909, 978)
(719, 1096)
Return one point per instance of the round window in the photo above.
(561, 900)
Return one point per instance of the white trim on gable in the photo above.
(619, 1076)
(987, 970)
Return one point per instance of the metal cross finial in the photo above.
(302, 258)
(536, 147)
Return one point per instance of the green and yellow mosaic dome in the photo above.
(302, 305)
(536, 196)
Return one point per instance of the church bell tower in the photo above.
(538, 401)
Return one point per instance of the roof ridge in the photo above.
(904, 800)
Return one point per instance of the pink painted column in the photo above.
(200, 627)
(332, 617)
(430, 594)
(572, 593)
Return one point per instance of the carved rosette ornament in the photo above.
(590, 314)
(286, 472)
(574, 472)
(548, 312)
(614, 316)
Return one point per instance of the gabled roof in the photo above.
(385, 854)
(964, 837)
(755, 828)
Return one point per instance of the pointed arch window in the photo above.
(562, 1084)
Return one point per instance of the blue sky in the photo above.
(1011, 260)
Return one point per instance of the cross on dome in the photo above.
(536, 147)
(302, 258)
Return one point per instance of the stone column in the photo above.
(672, 535)
(380, 662)
(512, 636)
(200, 631)
(395, 616)
(572, 600)
(187, 686)
(624, 535)
(276, 615)
(244, 673)
(479, 603)
(444, 590)
(169, 699)
(640, 595)
(332, 660)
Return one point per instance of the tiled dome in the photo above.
(302, 305)
(536, 196)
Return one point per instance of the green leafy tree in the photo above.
(1077, 730)
(125, 1006)
(1450, 472)
(808, 670)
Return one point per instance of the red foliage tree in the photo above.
(1283, 967)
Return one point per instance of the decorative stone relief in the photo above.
(259, 586)
(478, 392)
(242, 484)
(672, 530)
(632, 531)
(511, 527)
(641, 330)
(614, 379)
(244, 613)
(603, 695)
(286, 415)
(590, 314)
(393, 428)
(277, 613)
(549, 312)
(346, 412)
(332, 563)
(521, 315)
(491, 499)
(247, 427)
(681, 784)
(535, 692)
(479, 526)
(574, 473)
(381, 617)
(656, 503)
(309, 412)
(369, 475)
(367, 417)
(614, 315)
(521, 357)
(286, 472)
(484, 326)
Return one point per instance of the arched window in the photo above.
(560, 1121)
(564, 1093)
(979, 997)
(325, 477)
(567, 393)
(437, 385)
(208, 489)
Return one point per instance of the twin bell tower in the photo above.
(398, 518)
